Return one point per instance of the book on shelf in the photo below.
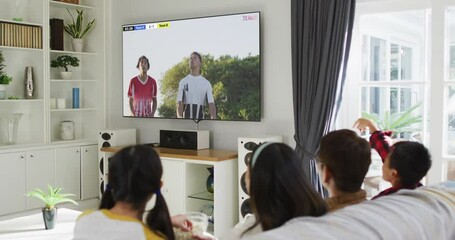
(20, 35)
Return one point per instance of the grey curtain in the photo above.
(321, 38)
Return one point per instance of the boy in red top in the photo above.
(142, 91)
(404, 163)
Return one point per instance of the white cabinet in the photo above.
(73, 168)
(12, 182)
(89, 172)
(40, 172)
(77, 171)
(68, 170)
(40, 124)
(173, 188)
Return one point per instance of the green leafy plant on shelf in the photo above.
(52, 197)
(65, 61)
(4, 78)
(398, 122)
(76, 27)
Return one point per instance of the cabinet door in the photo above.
(68, 170)
(12, 182)
(173, 188)
(40, 172)
(89, 172)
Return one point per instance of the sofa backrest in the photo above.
(424, 213)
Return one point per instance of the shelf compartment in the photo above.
(202, 196)
(21, 100)
(21, 22)
(73, 53)
(74, 109)
(21, 48)
(73, 81)
(69, 5)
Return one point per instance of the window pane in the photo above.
(451, 171)
(406, 63)
(451, 48)
(393, 100)
(394, 61)
(450, 110)
(378, 60)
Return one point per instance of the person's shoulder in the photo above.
(151, 235)
(85, 213)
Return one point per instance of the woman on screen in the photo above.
(142, 91)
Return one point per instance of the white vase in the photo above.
(2, 91)
(66, 75)
(78, 44)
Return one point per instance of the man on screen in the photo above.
(194, 91)
(142, 91)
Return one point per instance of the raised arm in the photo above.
(379, 140)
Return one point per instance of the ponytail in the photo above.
(159, 218)
(107, 200)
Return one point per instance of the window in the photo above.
(400, 63)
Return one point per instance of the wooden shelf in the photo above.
(204, 154)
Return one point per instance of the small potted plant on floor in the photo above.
(77, 30)
(50, 199)
(63, 62)
(4, 78)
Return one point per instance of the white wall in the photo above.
(277, 111)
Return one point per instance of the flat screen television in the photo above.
(199, 68)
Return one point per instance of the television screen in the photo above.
(199, 68)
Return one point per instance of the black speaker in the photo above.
(195, 140)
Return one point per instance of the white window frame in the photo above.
(435, 71)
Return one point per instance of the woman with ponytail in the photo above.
(134, 178)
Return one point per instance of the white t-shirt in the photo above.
(104, 224)
(194, 92)
(238, 231)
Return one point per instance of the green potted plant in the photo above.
(398, 123)
(50, 199)
(63, 62)
(4, 78)
(77, 30)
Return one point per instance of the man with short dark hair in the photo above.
(343, 159)
(194, 92)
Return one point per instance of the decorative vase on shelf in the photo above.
(66, 75)
(209, 184)
(78, 44)
(67, 130)
(8, 127)
(29, 92)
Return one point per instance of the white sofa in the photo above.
(424, 213)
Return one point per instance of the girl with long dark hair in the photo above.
(134, 177)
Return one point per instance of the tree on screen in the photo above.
(235, 85)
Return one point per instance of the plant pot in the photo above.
(2, 91)
(66, 75)
(49, 217)
(78, 44)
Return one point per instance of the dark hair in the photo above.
(348, 158)
(411, 160)
(199, 56)
(279, 189)
(134, 175)
(143, 58)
